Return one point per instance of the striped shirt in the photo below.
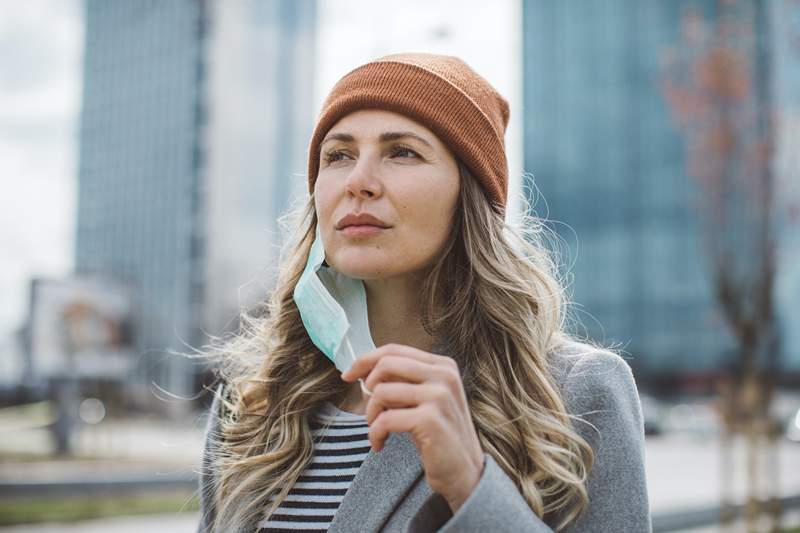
(315, 497)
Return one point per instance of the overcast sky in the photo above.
(41, 48)
(41, 43)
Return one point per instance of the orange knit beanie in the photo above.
(442, 93)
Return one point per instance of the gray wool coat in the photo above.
(389, 493)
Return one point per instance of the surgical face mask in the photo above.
(333, 308)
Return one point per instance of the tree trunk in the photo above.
(752, 507)
(727, 408)
(773, 467)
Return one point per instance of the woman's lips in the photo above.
(361, 230)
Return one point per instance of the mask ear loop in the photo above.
(353, 355)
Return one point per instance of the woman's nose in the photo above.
(362, 179)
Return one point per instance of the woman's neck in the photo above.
(394, 317)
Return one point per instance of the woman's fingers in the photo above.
(400, 368)
(393, 395)
(391, 421)
(364, 364)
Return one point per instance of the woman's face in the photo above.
(389, 166)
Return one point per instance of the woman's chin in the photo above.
(362, 272)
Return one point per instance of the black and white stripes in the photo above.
(338, 453)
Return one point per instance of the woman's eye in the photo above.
(330, 157)
(402, 149)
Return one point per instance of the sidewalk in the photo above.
(791, 519)
(162, 523)
(684, 472)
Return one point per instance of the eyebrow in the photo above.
(384, 137)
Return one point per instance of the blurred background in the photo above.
(148, 147)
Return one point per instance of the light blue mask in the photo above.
(334, 310)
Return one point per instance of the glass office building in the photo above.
(604, 153)
(181, 173)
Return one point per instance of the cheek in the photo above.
(427, 215)
(323, 201)
(427, 196)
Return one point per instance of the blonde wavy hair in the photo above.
(492, 293)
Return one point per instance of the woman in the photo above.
(456, 401)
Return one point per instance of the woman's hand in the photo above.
(421, 393)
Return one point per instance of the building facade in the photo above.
(601, 147)
(181, 169)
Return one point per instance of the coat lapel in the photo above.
(380, 483)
